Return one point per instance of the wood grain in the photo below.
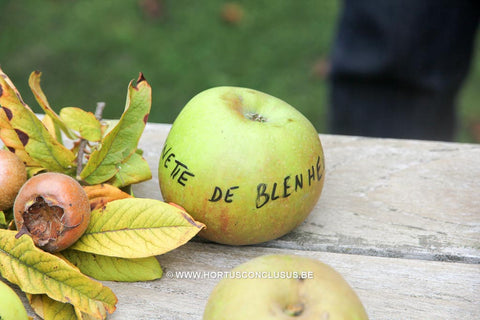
(390, 288)
(400, 219)
(382, 197)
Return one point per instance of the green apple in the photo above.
(283, 287)
(11, 307)
(246, 164)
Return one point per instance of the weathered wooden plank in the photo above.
(390, 288)
(389, 198)
(382, 197)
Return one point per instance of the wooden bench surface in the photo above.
(399, 219)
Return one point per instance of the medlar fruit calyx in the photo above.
(53, 209)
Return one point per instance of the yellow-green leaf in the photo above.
(83, 316)
(108, 125)
(134, 170)
(38, 272)
(83, 122)
(137, 228)
(10, 137)
(121, 142)
(115, 269)
(100, 194)
(53, 128)
(35, 139)
(3, 220)
(6, 217)
(34, 83)
(49, 309)
(31, 171)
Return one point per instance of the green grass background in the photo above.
(88, 51)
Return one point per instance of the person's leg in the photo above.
(397, 67)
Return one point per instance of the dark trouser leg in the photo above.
(397, 66)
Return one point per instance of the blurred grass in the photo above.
(469, 102)
(89, 50)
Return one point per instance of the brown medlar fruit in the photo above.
(53, 209)
(13, 175)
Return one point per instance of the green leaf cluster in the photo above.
(37, 272)
(121, 244)
(98, 153)
(125, 234)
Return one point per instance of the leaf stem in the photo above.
(99, 110)
(83, 143)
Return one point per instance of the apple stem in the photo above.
(255, 117)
